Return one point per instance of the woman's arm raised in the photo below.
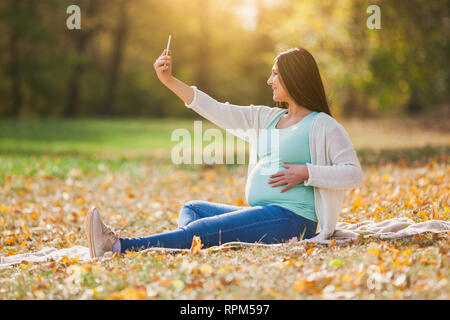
(181, 89)
(163, 68)
(224, 115)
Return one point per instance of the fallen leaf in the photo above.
(332, 243)
(197, 245)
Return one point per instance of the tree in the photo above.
(15, 15)
(203, 56)
(119, 45)
(81, 39)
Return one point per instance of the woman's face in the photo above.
(279, 93)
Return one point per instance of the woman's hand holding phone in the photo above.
(163, 66)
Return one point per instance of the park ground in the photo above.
(53, 171)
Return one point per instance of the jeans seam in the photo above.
(193, 207)
(307, 222)
(246, 226)
(207, 210)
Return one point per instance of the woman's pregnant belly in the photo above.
(259, 192)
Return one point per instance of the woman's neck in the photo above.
(296, 111)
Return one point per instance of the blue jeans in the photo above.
(216, 224)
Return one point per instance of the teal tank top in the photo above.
(275, 147)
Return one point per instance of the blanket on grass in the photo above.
(387, 229)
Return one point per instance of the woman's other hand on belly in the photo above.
(295, 174)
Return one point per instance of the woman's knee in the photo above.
(194, 203)
(188, 213)
(191, 205)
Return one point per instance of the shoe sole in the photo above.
(88, 226)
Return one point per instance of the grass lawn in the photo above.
(52, 171)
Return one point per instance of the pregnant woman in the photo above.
(297, 174)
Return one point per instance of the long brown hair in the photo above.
(301, 78)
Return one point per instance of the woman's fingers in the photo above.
(162, 62)
(275, 180)
(163, 59)
(163, 66)
(278, 174)
(287, 187)
(280, 183)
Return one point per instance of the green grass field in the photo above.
(52, 171)
(55, 146)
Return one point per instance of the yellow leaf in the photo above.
(164, 282)
(25, 265)
(11, 240)
(332, 243)
(178, 284)
(39, 294)
(373, 249)
(79, 200)
(302, 285)
(205, 268)
(12, 252)
(129, 294)
(197, 245)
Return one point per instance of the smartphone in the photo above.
(168, 46)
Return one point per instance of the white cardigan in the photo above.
(334, 165)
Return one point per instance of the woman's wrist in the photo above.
(181, 89)
(305, 172)
(169, 82)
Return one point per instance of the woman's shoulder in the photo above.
(266, 114)
(327, 121)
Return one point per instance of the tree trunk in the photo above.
(349, 107)
(14, 55)
(120, 38)
(263, 44)
(82, 38)
(74, 90)
(414, 105)
(35, 76)
(204, 54)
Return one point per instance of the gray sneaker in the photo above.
(101, 238)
